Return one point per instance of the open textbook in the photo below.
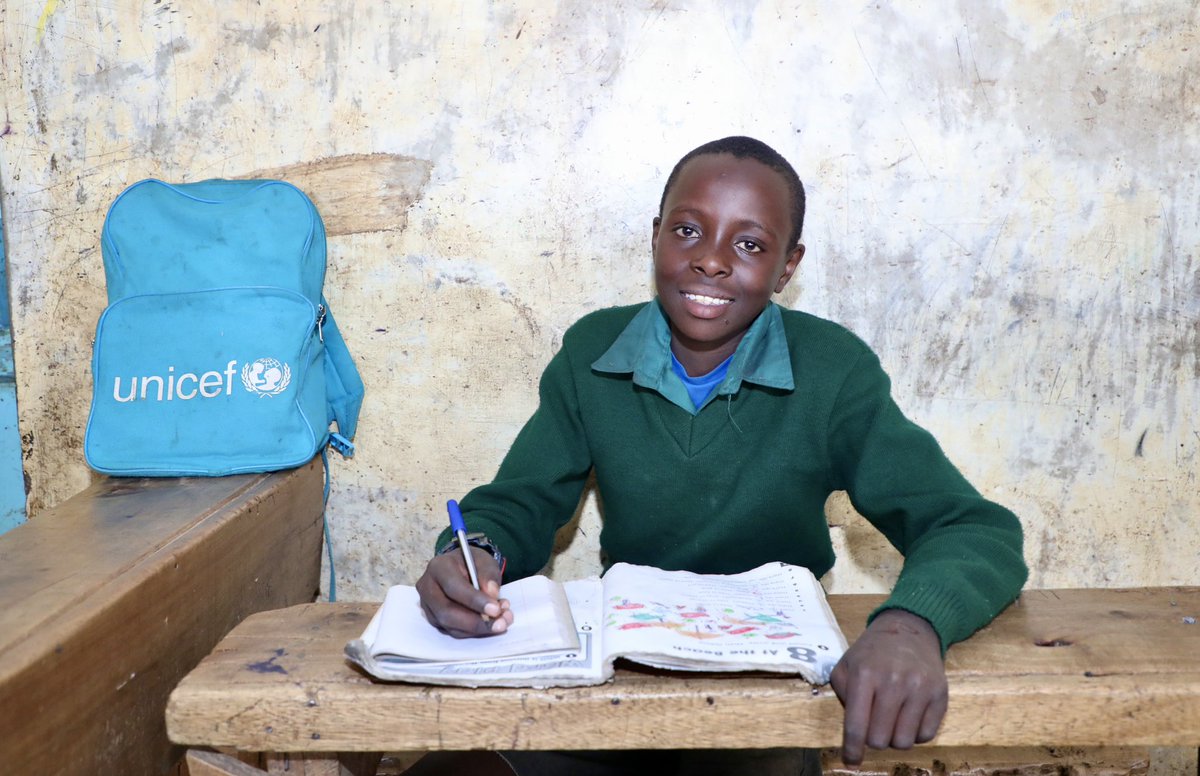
(773, 618)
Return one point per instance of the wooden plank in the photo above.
(358, 193)
(323, 764)
(108, 599)
(1080, 631)
(94, 538)
(279, 682)
(202, 763)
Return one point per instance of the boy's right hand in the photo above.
(454, 606)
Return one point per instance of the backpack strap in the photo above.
(343, 386)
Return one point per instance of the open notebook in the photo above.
(773, 618)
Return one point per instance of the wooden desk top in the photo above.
(108, 599)
(1058, 668)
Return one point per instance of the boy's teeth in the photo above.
(709, 300)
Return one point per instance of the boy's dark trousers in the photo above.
(651, 762)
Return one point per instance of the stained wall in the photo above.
(1003, 201)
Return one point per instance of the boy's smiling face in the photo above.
(720, 251)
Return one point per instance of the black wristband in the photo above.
(476, 540)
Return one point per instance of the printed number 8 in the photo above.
(803, 654)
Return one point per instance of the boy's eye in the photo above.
(749, 246)
(683, 230)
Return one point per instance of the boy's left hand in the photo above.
(892, 684)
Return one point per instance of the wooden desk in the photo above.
(109, 598)
(1058, 668)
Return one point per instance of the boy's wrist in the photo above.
(476, 540)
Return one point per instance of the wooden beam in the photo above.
(108, 599)
(204, 763)
(358, 193)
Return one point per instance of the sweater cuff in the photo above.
(938, 606)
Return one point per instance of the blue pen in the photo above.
(460, 530)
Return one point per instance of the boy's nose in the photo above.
(712, 263)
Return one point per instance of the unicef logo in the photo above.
(266, 377)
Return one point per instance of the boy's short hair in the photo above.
(742, 147)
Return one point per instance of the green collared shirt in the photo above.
(644, 349)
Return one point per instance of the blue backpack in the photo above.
(217, 353)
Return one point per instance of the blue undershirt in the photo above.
(699, 388)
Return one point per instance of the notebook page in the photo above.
(541, 621)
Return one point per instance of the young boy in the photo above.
(717, 425)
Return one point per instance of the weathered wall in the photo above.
(1003, 202)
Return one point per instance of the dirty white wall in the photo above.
(1003, 202)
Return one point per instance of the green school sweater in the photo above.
(805, 410)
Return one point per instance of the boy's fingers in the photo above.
(453, 605)
(475, 602)
(857, 701)
(884, 721)
(452, 617)
(907, 727)
(931, 720)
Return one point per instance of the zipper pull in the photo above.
(320, 321)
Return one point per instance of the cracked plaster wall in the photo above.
(1003, 202)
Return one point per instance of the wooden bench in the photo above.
(108, 599)
(1059, 668)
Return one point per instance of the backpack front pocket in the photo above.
(206, 383)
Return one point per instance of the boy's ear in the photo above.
(657, 222)
(789, 268)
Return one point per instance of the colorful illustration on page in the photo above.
(699, 621)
